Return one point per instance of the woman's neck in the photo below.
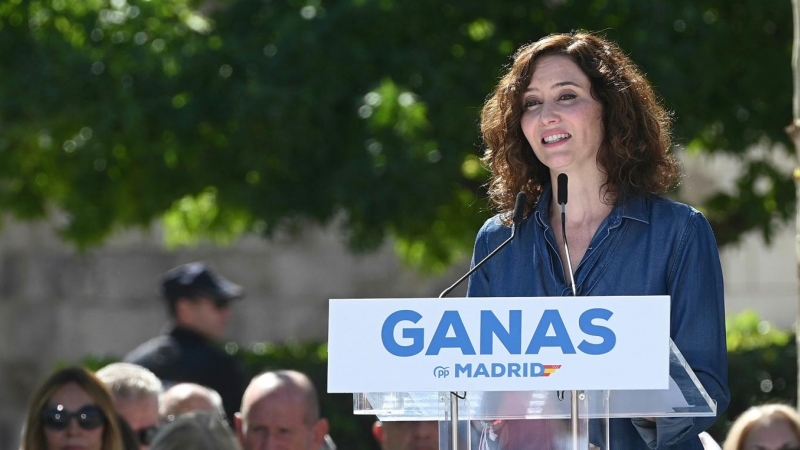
(586, 210)
(586, 201)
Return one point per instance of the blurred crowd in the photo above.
(181, 390)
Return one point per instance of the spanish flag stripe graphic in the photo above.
(550, 368)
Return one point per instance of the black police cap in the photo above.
(197, 279)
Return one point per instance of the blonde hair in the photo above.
(130, 381)
(758, 415)
(34, 428)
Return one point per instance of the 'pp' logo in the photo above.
(441, 372)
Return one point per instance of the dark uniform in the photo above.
(184, 355)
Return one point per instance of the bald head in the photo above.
(284, 385)
(281, 410)
(187, 397)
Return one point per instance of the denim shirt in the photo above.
(646, 246)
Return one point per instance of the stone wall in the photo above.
(58, 306)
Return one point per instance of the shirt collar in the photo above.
(188, 335)
(542, 209)
(632, 208)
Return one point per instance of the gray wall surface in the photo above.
(58, 306)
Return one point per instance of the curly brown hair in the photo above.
(634, 154)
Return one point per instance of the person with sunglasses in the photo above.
(136, 392)
(72, 409)
(199, 304)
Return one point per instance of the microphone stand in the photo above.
(517, 217)
(576, 395)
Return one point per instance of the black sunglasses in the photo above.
(57, 417)
(146, 435)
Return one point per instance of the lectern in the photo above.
(512, 373)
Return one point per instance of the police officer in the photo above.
(199, 304)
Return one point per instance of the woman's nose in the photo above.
(547, 114)
(72, 427)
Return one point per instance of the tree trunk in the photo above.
(794, 132)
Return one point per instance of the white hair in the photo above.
(130, 381)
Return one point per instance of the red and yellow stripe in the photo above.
(550, 368)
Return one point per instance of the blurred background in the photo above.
(329, 149)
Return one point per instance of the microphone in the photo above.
(562, 190)
(562, 200)
(517, 218)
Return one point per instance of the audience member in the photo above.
(766, 427)
(130, 441)
(135, 390)
(72, 409)
(281, 410)
(198, 301)
(197, 430)
(187, 397)
(407, 435)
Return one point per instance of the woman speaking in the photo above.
(575, 104)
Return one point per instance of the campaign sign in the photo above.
(498, 344)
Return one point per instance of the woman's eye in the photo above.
(530, 103)
(567, 96)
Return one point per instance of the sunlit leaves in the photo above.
(389, 106)
(747, 331)
(480, 30)
(247, 115)
(193, 218)
(472, 168)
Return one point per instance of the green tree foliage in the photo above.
(761, 364)
(227, 116)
